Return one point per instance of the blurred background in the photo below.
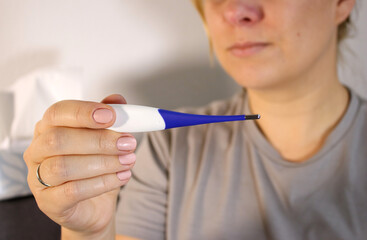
(154, 53)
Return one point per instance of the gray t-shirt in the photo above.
(226, 181)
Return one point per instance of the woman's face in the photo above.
(265, 43)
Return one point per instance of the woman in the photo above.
(298, 173)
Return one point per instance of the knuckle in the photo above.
(71, 191)
(104, 162)
(26, 155)
(52, 112)
(78, 113)
(57, 167)
(105, 183)
(53, 139)
(37, 128)
(38, 125)
(103, 141)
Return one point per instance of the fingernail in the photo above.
(103, 115)
(127, 159)
(124, 175)
(126, 143)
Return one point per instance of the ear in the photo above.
(343, 10)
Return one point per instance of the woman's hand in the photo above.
(84, 163)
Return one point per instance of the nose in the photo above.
(242, 13)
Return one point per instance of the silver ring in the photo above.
(39, 178)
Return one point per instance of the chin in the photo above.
(253, 78)
(256, 72)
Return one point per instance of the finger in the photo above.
(70, 141)
(61, 169)
(37, 128)
(78, 114)
(77, 191)
(114, 99)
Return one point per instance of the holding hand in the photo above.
(80, 166)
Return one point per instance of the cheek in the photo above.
(214, 22)
(305, 24)
(301, 31)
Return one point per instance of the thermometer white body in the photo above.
(134, 118)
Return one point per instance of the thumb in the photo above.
(114, 99)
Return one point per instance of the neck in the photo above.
(298, 117)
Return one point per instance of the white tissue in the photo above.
(21, 107)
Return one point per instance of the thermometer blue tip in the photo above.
(177, 119)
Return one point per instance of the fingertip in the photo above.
(103, 115)
(124, 176)
(107, 118)
(114, 99)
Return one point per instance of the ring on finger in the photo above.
(39, 177)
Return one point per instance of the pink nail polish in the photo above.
(126, 143)
(102, 115)
(124, 175)
(127, 159)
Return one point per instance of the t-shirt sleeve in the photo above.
(141, 211)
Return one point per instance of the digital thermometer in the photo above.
(135, 118)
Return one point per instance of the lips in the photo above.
(247, 49)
